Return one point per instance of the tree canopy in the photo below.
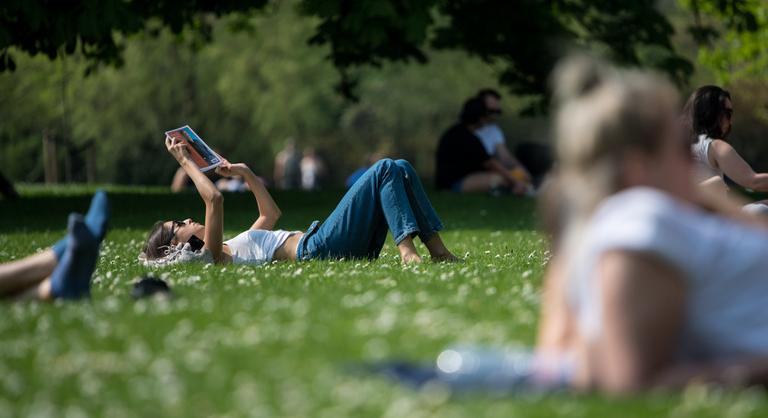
(525, 37)
(54, 28)
(248, 75)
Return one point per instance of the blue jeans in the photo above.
(388, 197)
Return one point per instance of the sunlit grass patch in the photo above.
(279, 340)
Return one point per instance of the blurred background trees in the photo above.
(340, 76)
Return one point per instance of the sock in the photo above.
(71, 279)
(96, 219)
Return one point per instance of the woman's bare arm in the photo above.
(736, 168)
(269, 212)
(556, 326)
(642, 303)
(214, 201)
(179, 181)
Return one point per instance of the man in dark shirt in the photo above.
(462, 164)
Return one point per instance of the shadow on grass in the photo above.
(43, 211)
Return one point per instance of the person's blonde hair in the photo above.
(602, 113)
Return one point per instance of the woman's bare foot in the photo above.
(408, 251)
(447, 257)
(438, 251)
(410, 258)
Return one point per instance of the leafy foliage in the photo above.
(733, 37)
(59, 27)
(245, 92)
(527, 36)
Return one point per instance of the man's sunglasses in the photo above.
(728, 113)
(494, 111)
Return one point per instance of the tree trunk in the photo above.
(6, 188)
(50, 162)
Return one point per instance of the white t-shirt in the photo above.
(491, 136)
(256, 246)
(724, 263)
(704, 169)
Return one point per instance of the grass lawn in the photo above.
(277, 340)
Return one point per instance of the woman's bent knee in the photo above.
(405, 165)
(383, 165)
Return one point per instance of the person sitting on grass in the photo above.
(63, 271)
(708, 115)
(389, 197)
(645, 288)
(461, 163)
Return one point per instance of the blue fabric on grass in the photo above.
(388, 197)
(96, 220)
(71, 279)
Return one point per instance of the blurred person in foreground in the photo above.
(708, 118)
(389, 197)
(462, 163)
(652, 283)
(63, 271)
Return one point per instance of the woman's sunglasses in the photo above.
(174, 228)
(194, 241)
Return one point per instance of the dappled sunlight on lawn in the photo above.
(284, 338)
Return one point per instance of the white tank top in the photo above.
(491, 136)
(724, 263)
(704, 169)
(256, 246)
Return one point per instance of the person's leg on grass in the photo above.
(408, 252)
(403, 218)
(96, 220)
(426, 216)
(482, 181)
(40, 291)
(17, 276)
(378, 236)
(355, 228)
(71, 279)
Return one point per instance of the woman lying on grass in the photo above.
(389, 197)
(63, 271)
(646, 288)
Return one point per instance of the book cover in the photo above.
(199, 151)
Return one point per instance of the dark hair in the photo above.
(704, 111)
(482, 93)
(159, 237)
(472, 111)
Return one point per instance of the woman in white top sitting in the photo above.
(645, 287)
(708, 116)
(389, 197)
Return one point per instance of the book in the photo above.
(199, 151)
